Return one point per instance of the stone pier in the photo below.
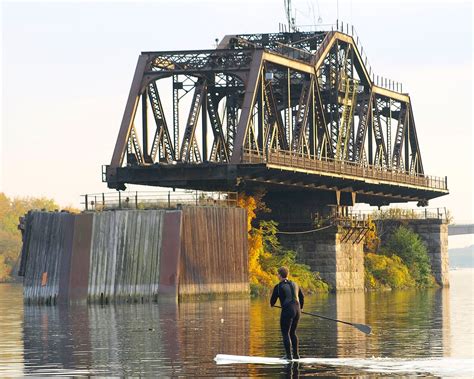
(434, 233)
(340, 263)
(339, 259)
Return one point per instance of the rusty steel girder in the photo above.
(305, 95)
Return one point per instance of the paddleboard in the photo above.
(442, 366)
(225, 359)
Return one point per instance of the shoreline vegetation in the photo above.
(266, 254)
(398, 263)
(11, 209)
(401, 262)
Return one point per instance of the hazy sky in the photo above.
(67, 68)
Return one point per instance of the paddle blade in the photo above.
(363, 328)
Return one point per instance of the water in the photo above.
(424, 332)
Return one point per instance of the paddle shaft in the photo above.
(363, 328)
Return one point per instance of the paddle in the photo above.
(362, 327)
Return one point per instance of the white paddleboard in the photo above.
(442, 366)
(226, 359)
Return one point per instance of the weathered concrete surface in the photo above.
(43, 262)
(341, 264)
(134, 255)
(214, 252)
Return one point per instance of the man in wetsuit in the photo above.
(291, 300)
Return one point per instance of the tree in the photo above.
(410, 248)
(10, 237)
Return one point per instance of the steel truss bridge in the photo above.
(299, 111)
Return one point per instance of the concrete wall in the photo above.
(341, 264)
(46, 241)
(134, 255)
(125, 255)
(214, 253)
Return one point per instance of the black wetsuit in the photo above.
(292, 301)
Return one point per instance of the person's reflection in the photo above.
(293, 370)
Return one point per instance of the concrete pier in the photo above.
(339, 262)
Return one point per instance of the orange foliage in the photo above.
(257, 276)
(372, 241)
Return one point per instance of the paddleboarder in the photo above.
(292, 301)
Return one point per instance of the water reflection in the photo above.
(11, 329)
(134, 339)
(412, 323)
(182, 340)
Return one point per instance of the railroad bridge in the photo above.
(299, 112)
(299, 115)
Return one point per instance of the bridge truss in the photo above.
(295, 110)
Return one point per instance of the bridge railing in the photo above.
(401, 214)
(156, 200)
(339, 167)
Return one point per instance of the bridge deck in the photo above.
(282, 171)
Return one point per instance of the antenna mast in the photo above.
(291, 20)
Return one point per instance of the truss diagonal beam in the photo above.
(302, 115)
(129, 113)
(400, 136)
(189, 144)
(274, 118)
(162, 137)
(249, 100)
(364, 119)
(219, 147)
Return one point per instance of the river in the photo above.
(416, 332)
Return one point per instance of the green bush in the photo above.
(383, 272)
(410, 248)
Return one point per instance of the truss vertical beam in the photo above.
(231, 108)
(176, 86)
(389, 133)
(204, 125)
(407, 141)
(145, 126)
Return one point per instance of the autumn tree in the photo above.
(10, 237)
(266, 253)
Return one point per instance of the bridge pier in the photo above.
(434, 233)
(340, 262)
(335, 252)
(339, 259)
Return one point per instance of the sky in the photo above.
(66, 69)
